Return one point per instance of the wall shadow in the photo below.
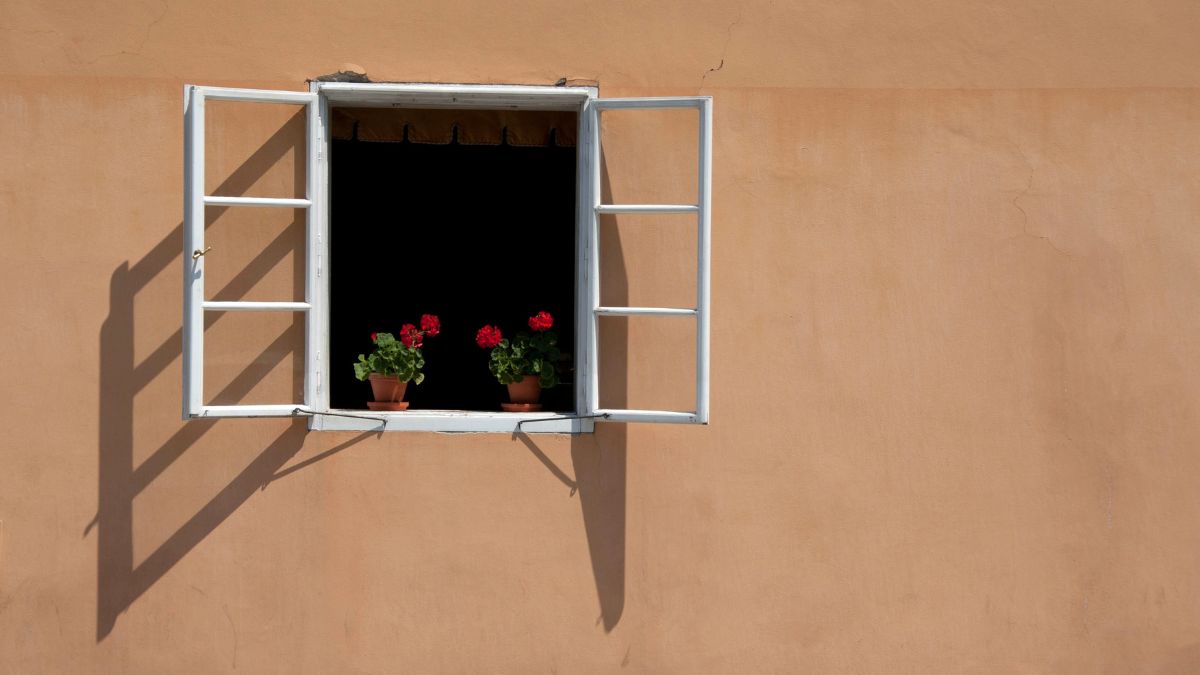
(119, 582)
(599, 459)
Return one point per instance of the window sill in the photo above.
(451, 421)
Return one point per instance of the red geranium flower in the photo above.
(373, 336)
(541, 321)
(410, 336)
(488, 337)
(431, 324)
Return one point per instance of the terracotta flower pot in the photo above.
(524, 394)
(389, 392)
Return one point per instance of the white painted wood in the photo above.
(255, 95)
(703, 105)
(650, 102)
(593, 228)
(195, 201)
(450, 421)
(215, 200)
(651, 416)
(312, 244)
(646, 208)
(282, 410)
(645, 311)
(704, 261)
(193, 240)
(254, 306)
(489, 96)
(318, 275)
(583, 317)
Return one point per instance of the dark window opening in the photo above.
(477, 234)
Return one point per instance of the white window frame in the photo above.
(318, 100)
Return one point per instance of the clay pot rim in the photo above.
(521, 407)
(392, 406)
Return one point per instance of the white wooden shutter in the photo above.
(700, 312)
(195, 303)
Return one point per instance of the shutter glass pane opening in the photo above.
(650, 155)
(253, 358)
(648, 260)
(651, 362)
(255, 149)
(257, 254)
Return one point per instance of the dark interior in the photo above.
(477, 234)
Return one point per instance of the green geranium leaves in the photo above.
(527, 354)
(391, 357)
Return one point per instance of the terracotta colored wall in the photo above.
(955, 349)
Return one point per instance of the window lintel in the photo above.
(416, 95)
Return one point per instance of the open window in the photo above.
(381, 198)
(461, 213)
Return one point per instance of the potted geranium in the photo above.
(527, 363)
(395, 363)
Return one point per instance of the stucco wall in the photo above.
(955, 357)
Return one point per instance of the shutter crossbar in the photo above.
(644, 311)
(666, 416)
(215, 200)
(646, 208)
(254, 306)
(648, 103)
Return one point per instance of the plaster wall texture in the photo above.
(956, 344)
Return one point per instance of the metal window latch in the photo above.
(197, 253)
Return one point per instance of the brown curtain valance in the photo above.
(475, 127)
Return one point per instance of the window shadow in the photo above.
(599, 459)
(119, 582)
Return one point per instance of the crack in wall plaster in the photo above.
(1025, 216)
(225, 608)
(166, 7)
(1109, 495)
(1015, 199)
(724, 50)
(29, 31)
